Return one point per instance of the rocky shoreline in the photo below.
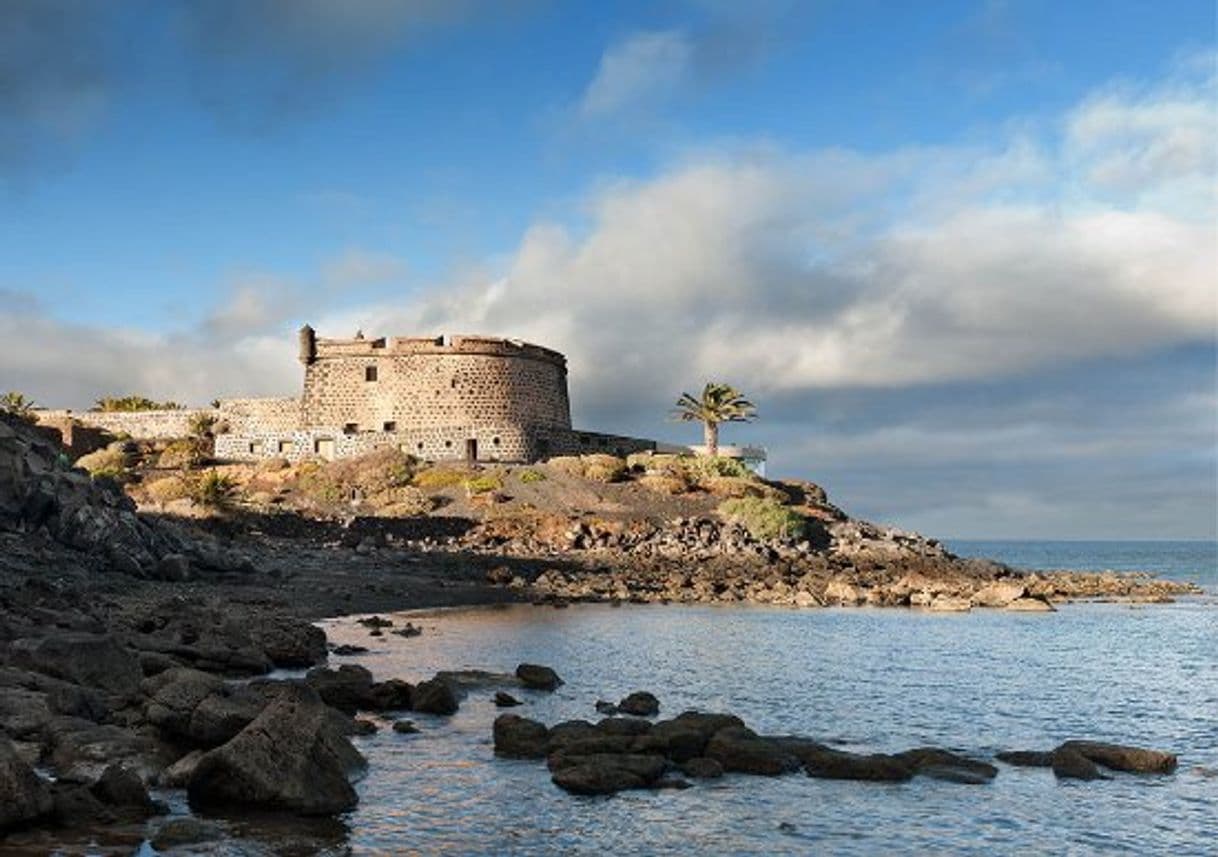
(136, 648)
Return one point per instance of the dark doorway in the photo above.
(471, 450)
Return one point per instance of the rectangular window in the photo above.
(390, 426)
(369, 373)
(350, 428)
(285, 446)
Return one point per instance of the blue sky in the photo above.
(963, 253)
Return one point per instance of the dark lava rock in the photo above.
(640, 703)
(121, 787)
(349, 649)
(943, 765)
(222, 715)
(391, 695)
(175, 832)
(538, 677)
(173, 696)
(291, 757)
(93, 660)
(701, 768)
(606, 708)
(409, 630)
(741, 750)
(434, 696)
(1122, 758)
(348, 688)
(623, 726)
(1069, 764)
(24, 796)
(608, 773)
(1026, 758)
(405, 727)
(289, 642)
(503, 699)
(375, 622)
(839, 765)
(363, 726)
(519, 737)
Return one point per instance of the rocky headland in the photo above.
(137, 639)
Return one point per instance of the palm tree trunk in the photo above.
(710, 433)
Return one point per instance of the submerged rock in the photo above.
(1073, 765)
(538, 677)
(503, 699)
(519, 737)
(1119, 757)
(434, 696)
(641, 703)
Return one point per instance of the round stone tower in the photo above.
(472, 397)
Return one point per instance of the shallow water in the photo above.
(863, 679)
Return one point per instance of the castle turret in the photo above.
(308, 345)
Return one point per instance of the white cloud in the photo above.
(789, 272)
(644, 68)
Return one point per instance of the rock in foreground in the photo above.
(291, 757)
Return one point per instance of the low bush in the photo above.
(528, 476)
(130, 404)
(483, 484)
(168, 489)
(664, 483)
(110, 462)
(213, 489)
(600, 467)
(182, 453)
(764, 518)
(739, 486)
(572, 465)
(366, 476)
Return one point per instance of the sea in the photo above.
(867, 680)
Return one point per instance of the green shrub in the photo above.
(371, 475)
(572, 465)
(110, 462)
(701, 467)
(529, 476)
(167, 490)
(213, 489)
(664, 483)
(185, 453)
(483, 484)
(764, 518)
(604, 468)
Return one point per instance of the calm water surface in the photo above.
(862, 679)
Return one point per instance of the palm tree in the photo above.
(719, 403)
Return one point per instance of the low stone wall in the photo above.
(253, 416)
(144, 425)
(506, 444)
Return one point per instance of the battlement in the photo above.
(462, 344)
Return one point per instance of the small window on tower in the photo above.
(351, 428)
(390, 426)
(369, 373)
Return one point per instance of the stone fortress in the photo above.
(471, 398)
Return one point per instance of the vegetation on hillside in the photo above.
(765, 518)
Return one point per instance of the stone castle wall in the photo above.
(416, 384)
